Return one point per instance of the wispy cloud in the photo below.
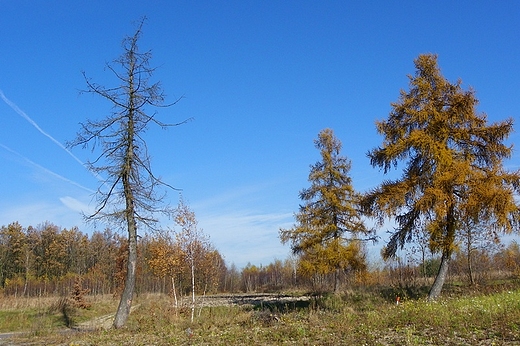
(245, 236)
(48, 171)
(242, 226)
(76, 205)
(36, 213)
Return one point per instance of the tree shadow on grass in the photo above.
(282, 306)
(273, 303)
(391, 294)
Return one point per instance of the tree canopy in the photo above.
(453, 165)
(329, 226)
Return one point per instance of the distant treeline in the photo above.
(46, 260)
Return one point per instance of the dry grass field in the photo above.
(489, 316)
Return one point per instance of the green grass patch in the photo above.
(32, 321)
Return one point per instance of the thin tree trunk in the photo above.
(423, 263)
(125, 304)
(174, 294)
(294, 273)
(192, 287)
(26, 276)
(470, 268)
(203, 298)
(436, 289)
(336, 280)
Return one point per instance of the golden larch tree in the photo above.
(453, 169)
(329, 225)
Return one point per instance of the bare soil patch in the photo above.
(256, 299)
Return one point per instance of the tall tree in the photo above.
(453, 170)
(13, 245)
(129, 195)
(101, 256)
(76, 245)
(49, 251)
(329, 224)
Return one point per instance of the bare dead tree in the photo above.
(130, 195)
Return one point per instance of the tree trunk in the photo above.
(174, 294)
(125, 304)
(469, 250)
(336, 280)
(436, 289)
(449, 239)
(470, 272)
(203, 298)
(26, 276)
(192, 284)
(423, 251)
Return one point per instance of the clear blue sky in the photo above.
(260, 79)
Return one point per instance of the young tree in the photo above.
(76, 245)
(509, 259)
(476, 239)
(453, 166)
(329, 224)
(129, 195)
(192, 242)
(231, 280)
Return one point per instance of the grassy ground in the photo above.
(489, 317)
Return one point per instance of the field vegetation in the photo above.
(485, 315)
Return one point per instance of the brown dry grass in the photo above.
(358, 318)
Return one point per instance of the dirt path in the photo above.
(101, 322)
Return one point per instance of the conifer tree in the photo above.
(452, 166)
(129, 196)
(329, 226)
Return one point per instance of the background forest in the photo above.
(46, 260)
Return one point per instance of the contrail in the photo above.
(33, 123)
(47, 170)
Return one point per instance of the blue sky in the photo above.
(260, 79)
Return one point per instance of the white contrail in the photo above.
(33, 123)
(47, 170)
